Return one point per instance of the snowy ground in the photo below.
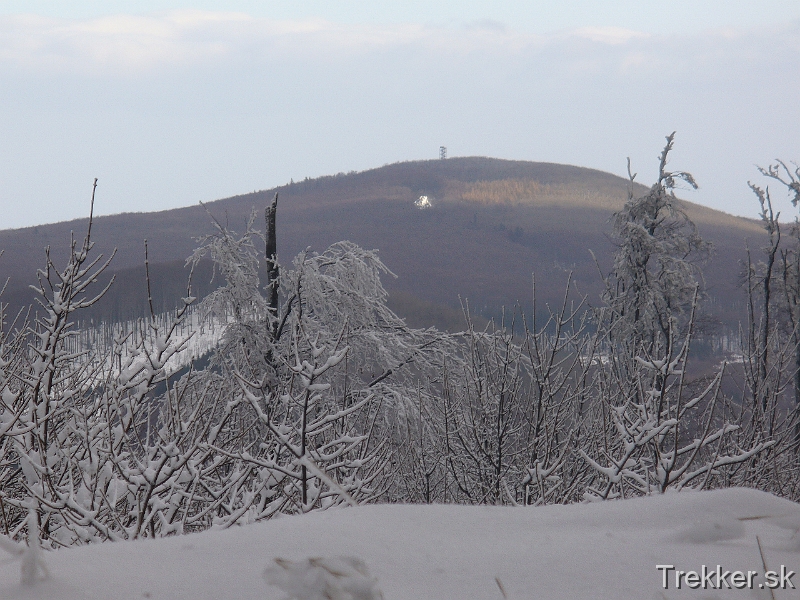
(198, 335)
(607, 550)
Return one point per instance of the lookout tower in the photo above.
(442, 152)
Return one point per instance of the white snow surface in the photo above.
(602, 550)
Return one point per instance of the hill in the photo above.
(491, 225)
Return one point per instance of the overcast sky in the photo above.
(170, 103)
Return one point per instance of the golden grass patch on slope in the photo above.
(582, 195)
(531, 192)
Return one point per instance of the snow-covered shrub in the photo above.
(515, 405)
(663, 431)
(310, 377)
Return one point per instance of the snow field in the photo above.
(439, 552)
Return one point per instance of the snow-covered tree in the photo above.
(661, 430)
(315, 375)
(650, 288)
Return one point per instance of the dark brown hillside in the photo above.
(493, 223)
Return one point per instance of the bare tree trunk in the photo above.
(273, 273)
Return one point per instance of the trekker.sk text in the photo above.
(716, 578)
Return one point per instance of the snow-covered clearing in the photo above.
(602, 550)
(198, 334)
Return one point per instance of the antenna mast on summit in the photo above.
(442, 152)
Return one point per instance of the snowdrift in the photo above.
(603, 550)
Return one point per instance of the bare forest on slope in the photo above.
(491, 224)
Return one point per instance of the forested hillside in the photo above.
(492, 224)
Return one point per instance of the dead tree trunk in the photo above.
(273, 273)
